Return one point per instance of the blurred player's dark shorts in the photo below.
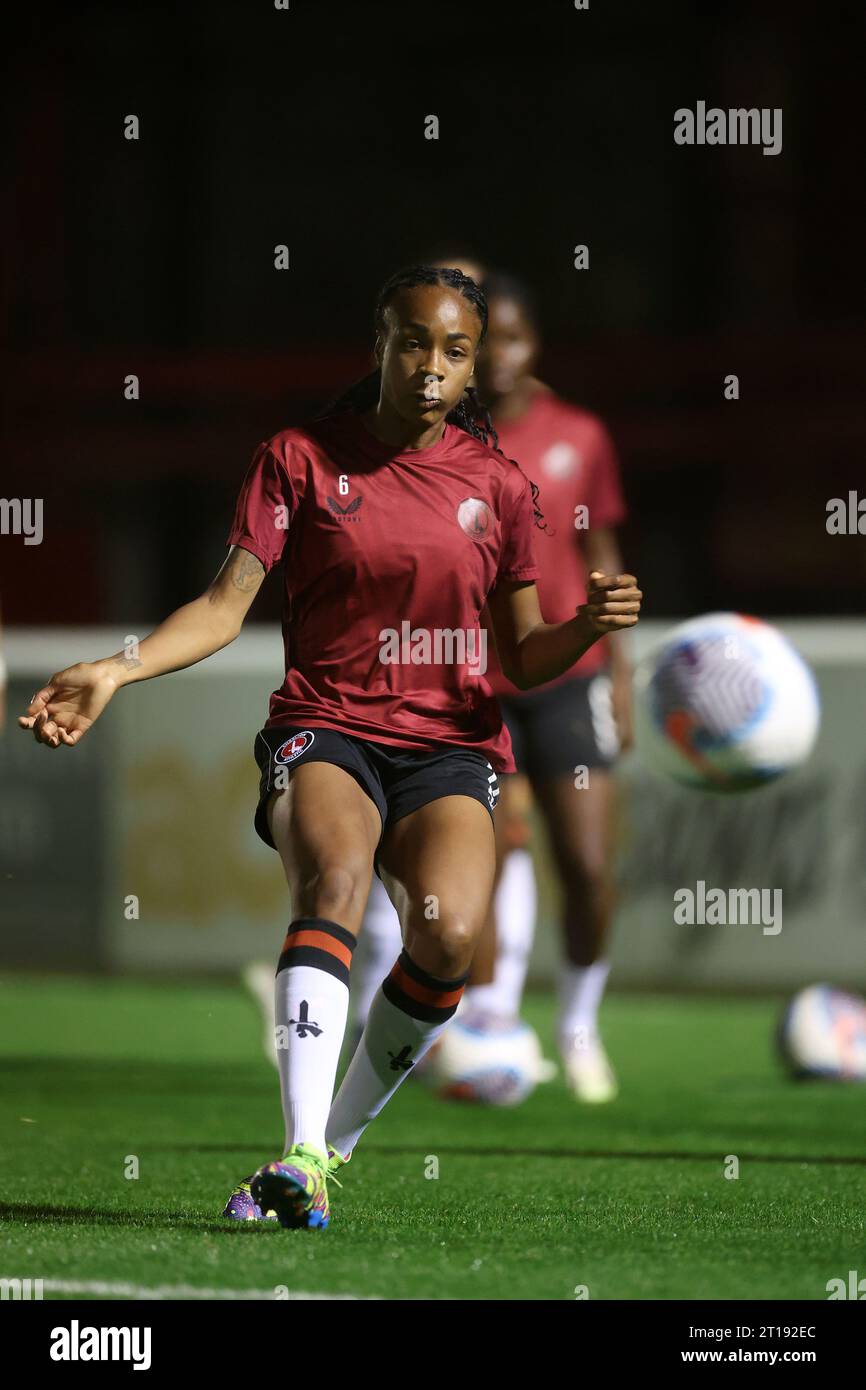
(570, 725)
(398, 780)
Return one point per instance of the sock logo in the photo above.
(303, 1022)
(400, 1060)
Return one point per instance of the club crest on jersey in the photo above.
(561, 460)
(347, 513)
(475, 518)
(294, 747)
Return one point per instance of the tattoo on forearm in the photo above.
(130, 659)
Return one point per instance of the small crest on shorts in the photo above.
(294, 747)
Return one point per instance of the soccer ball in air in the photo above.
(823, 1034)
(487, 1060)
(725, 704)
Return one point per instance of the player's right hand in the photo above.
(64, 709)
(612, 601)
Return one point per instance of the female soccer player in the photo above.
(582, 719)
(394, 520)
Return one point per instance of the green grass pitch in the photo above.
(629, 1199)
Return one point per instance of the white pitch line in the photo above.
(180, 1291)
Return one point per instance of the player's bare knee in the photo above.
(449, 943)
(338, 891)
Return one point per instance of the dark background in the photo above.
(306, 127)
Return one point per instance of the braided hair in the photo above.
(469, 414)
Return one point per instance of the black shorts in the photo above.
(557, 730)
(398, 780)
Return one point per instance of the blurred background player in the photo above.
(566, 734)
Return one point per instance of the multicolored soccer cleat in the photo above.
(241, 1207)
(295, 1187)
(335, 1163)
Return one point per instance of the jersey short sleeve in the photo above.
(602, 492)
(517, 557)
(265, 507)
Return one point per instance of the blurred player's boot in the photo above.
(295, 1188)
(241, 1207)
(588, 1071)
(547, 1071)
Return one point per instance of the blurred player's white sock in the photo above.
(580, 992)
(409, 1012)
(258, 976)
(514, 905)
(379, 944)
(311, 1004)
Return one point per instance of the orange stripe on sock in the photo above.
(421, 993)
(322, 940)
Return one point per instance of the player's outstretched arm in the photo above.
(64, 709)
(532, 651)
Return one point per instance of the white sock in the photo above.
(514, 906)
(379, 944)
(311, 1004)
(409, 1012)
(580, 992)
(258, 976)
(483, 999)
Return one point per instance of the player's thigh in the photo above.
(438, 864)
(326, 829)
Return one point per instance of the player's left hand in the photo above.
(612, 601)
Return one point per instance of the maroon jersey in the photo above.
(569, 454)
(388, 558)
